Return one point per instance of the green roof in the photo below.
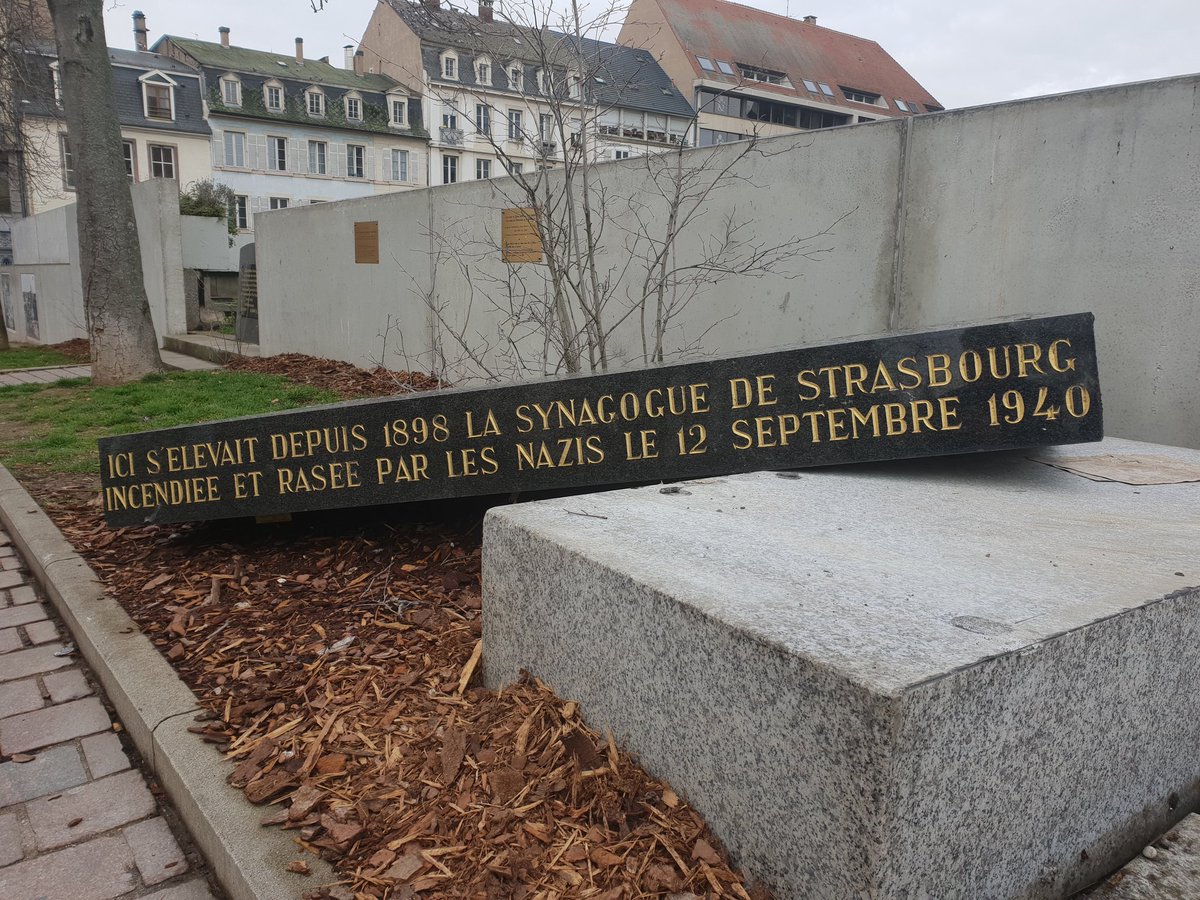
(277, 65)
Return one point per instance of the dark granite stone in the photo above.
(1007, 385)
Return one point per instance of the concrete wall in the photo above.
(206, 244)
(1082, 201)
(46, 247)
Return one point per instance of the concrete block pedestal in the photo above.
(965, 677)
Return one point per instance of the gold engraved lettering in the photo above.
(243, 490)
(994, 364)
(467, 462)
(645, 445)
(741, 433)
(855, 380)
(805, 379)
(319, 477)
(908, 366)
(870, 417)
(939, 370)
(970, 366)
(883, 379)
(1052, 356)
(414, 467)
(1028, 355)
(490, 425)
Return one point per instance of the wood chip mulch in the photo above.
(77, 349)
(341, 378)
(338, 665)
(338, 660)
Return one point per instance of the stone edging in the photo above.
(156, 708)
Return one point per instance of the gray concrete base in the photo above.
(156, 708)
(1169, 869)
(967, 677)
(214, 348)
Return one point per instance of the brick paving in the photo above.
(78, 821)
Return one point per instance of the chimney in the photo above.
(139, 30)
(810, 20)
(485, 10)
(359, 63)
(224, 36)
(348, 57)
(300, 50)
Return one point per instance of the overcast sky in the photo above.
(965, 53)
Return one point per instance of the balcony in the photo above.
(450, 137)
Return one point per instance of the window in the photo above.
(449, 169)
(68, 163)
(277, 154)
(710, 138)
(766, 111)
(235, 149)
(316, 157)
(483, 72)
(515, 130)
(825, 89)
(162, 161)
(542, 82)
(901, 105)
(810, 86)
(546, 127)
(766, 76)
(483, 118)
(450, 66)
(450, 119)
(279, 203)
(356, 156)
(860, 96)
(516, 78)
(315, 103)
(726, 68)
(620, 154)
(231, 92)
(399, 107)
(128, 151)
(706, 64)
(56, 78)
(399, 165)
(633, 124)
(483, 169)
(158, 101)
(274, 97)
(240, 216)
(354, 109)
(516, 168)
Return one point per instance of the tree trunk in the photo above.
(123, 342)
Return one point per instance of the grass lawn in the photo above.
(32, 358)
(53, 428)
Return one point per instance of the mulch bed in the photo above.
(77, 349)
(337, 658)
(332, 375)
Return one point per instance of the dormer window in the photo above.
(483, 71)
(542, 81)
(231, 90)
(273, 96)
(158, 96)
(574, 81)
(353, 107)
(516, 78)
(314, 102)
(398, 107)
(450, 65)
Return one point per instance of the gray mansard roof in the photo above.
(617, 76)
(130, 65)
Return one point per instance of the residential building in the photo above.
(500, 97)
(287, 130)
(751, 72)
(163, 131)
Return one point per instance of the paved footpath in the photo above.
(51, 374)
(77, 820)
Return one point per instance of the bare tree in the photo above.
(123, 341)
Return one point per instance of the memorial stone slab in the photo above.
(1011, 384)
